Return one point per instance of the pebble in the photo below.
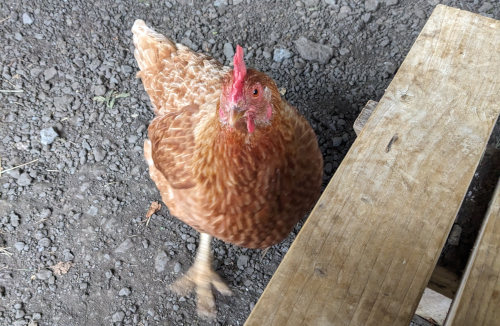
(20, 314)
(242, 261)
(99, 154)
(328, 168)
(14, 220)
(44, 242)
(228, 51)
(48, 135)
(49, 73)
(125, 246)
(177, 268)
(99, 90)
(124, 292)
(220, 3)
(44, 274)
(24, 179)
(161, 261)
(371, 5)
(336, 141)
(310, 50)
(27, 20)
(281, 54)
(19, 245)
(118, 316)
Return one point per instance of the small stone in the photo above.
(118, 316)
(336, 141)
(92, 211)
(18, 306)
(99, 90)
(48, 135)
(266, 55)
(27, 20)
(343, 51)
(20, 314)
(280, 55)
(67, 255)
(132, 139)
(24, 179)
(124, 292)
(390, 67)
(228, 51)
(454, 237)
(44, 274)
(220, 3)
(242, 261)
(371, 5)
(311, 3)
(328, 168)
(177, 267)
(44, 242)
(391, 2)
(485, 7)
(310, 50)
(19, 245)
(49, 73)
(124, 246)
(99, 154)
(161, 261)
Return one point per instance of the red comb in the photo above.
(239, 73)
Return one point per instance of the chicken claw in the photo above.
(201, 277)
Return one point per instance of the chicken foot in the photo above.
(201, 277)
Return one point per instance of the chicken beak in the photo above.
(234, 116)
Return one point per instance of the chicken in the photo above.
(230, 157)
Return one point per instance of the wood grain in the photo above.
(367, 251)
(478, 298)
(364, 115)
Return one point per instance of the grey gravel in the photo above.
(44, 274)
(48, 135)
(118, 316)
(228, 51)
(242, 261)
(124, 292)
(161, 261)
(310, 50)
(371, 5)
(281, 54)
(24, 179)
(27, 20)
(19, 245)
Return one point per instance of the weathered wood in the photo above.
(478, 298)
(367, 251)
(363, 116)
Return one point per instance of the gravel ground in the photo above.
(74, 248)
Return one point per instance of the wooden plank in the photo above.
(442, 280)
(363, 116)
(366, 253)
(478, 298)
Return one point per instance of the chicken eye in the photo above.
(255, 92)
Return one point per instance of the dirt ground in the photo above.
(74, 248)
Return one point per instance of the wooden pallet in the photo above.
(478, 298)
(366, 253)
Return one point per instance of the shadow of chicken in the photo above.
(230, 157)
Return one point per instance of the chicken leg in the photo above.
(200, 277)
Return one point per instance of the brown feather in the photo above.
(247, 189)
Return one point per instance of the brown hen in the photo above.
(229, 156)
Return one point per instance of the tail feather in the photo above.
(150, 46)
